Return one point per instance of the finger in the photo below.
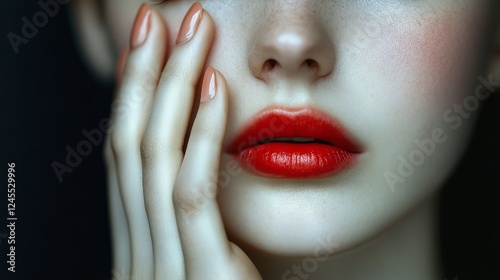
(120, 238)
(198, 217)
(180, 77)
(161, 147)
(131, 112)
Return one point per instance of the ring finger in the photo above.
(130, 114)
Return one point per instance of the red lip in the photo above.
(263, 150)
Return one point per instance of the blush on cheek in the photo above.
(435, 57)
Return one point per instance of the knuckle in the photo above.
(169, 74)
(150, 147)
(155, 149)
(204, 132)
(172, 72)
(179, 76)
(146, 74)
(191, 200)
(121, 143)
(141, 86)
(150, 79)
(119, 108)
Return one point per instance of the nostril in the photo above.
(269, 64)
(311, 63)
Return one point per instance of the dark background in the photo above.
(48, 97)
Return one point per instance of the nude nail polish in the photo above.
(209, 87)
(141, 27)
(190, 23)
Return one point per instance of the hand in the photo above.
(164, 225)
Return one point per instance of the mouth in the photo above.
(294, 143)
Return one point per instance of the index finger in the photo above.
(208, 254)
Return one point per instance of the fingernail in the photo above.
(190, 23)
(121, 65)
(209, 88)
(140, 29)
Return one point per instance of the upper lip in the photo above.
(282, 124)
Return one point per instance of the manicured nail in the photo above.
(209, 88)
(190, 23)
(121, 65)
(141, 27)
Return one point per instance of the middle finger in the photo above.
(161, 147)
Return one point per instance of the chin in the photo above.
(298, 217)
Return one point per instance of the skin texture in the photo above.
(388, 70)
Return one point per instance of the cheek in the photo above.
(435, 60)
(414, 73)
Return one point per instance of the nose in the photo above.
(291, 43)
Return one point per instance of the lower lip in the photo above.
(290, 160)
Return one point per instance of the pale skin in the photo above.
(414, 67)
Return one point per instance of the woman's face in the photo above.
(401, 76)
